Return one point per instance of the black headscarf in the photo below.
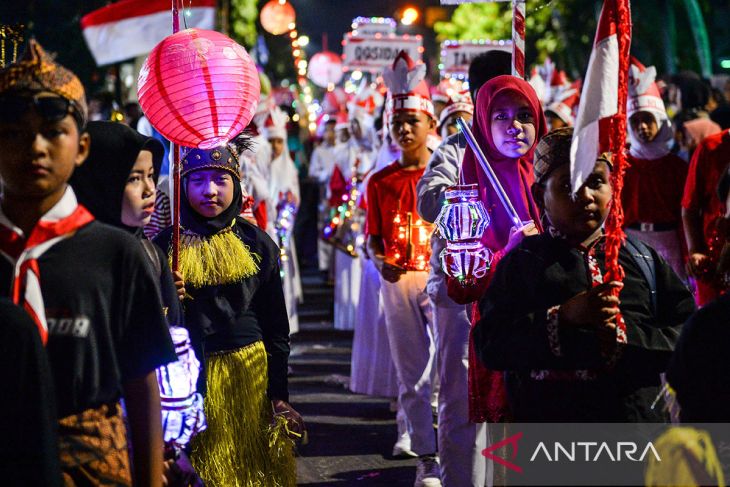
(100, 181)
(197, 223)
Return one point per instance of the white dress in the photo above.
(282, 177)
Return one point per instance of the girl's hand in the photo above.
(294, 421)
(516, 234)
(179, 285)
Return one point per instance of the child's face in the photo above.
(410, 130)
(512, 125)
(210, 191)
(578, 218)
(138, 202)
(329, 133)
(277, 147)
(644, 126)
(554, 121)
(450, 127)
(39, 154)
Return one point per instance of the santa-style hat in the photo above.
(457, 102)
(406, 83)
(275, 125)
(564, 104)
(644, 93)
(343, 122)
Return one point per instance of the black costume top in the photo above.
(230, 316)
(512, 335)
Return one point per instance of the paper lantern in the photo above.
(276, 17)
(462, 221)
(325, 68)
(198, 88)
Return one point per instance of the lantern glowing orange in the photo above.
(277, 16)
(198, 88)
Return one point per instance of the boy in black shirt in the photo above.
(85, 285)
(549, 321)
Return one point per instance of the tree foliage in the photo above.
(243, 21)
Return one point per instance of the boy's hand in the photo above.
(390, 272)
(179, 285)
(595, 308)
(516, 234)
(699, 265)
(294, 421)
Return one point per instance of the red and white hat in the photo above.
(365, 103)
(565, 103)
(275, 125)
(343, 122)
(644, 93)
(457, 102)
(406, 83)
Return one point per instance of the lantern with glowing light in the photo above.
(277, 17)
(344, 229)
(325, 69)
(411, 245)
(462, 221)
(199, 88)
(286, 211)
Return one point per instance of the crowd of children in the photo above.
(121, 369)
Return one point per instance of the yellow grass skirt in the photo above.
(242, 446)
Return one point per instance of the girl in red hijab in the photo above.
(508, 122)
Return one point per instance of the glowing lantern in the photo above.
(198, 88)
(325, 68)
(277, 16)
(411, 245)
(462, 221)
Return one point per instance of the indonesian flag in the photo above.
(603, 99)
(132, 28)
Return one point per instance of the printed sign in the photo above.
(373, 53)
(457, 55)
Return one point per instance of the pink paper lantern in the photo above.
(276, 17)
(198, 88)
(325, 68)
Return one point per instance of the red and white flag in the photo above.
(603, 97)
(132, 28)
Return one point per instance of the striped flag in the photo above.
(132, 28)
(603, 99)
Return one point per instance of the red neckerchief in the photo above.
(60, 222)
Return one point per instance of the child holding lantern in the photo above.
(238, 324)
(402, 261)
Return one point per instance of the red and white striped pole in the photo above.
(518, 38)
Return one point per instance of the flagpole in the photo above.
(614, 222)
(176, 166)
(518, 38)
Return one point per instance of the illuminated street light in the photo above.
(410, 15)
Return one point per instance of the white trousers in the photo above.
(409, 323)
(460, 441)
(347, 290)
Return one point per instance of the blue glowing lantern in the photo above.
(462, 221)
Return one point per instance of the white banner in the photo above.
(457, 55)
(373, 53)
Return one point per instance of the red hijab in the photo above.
(515, 174)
